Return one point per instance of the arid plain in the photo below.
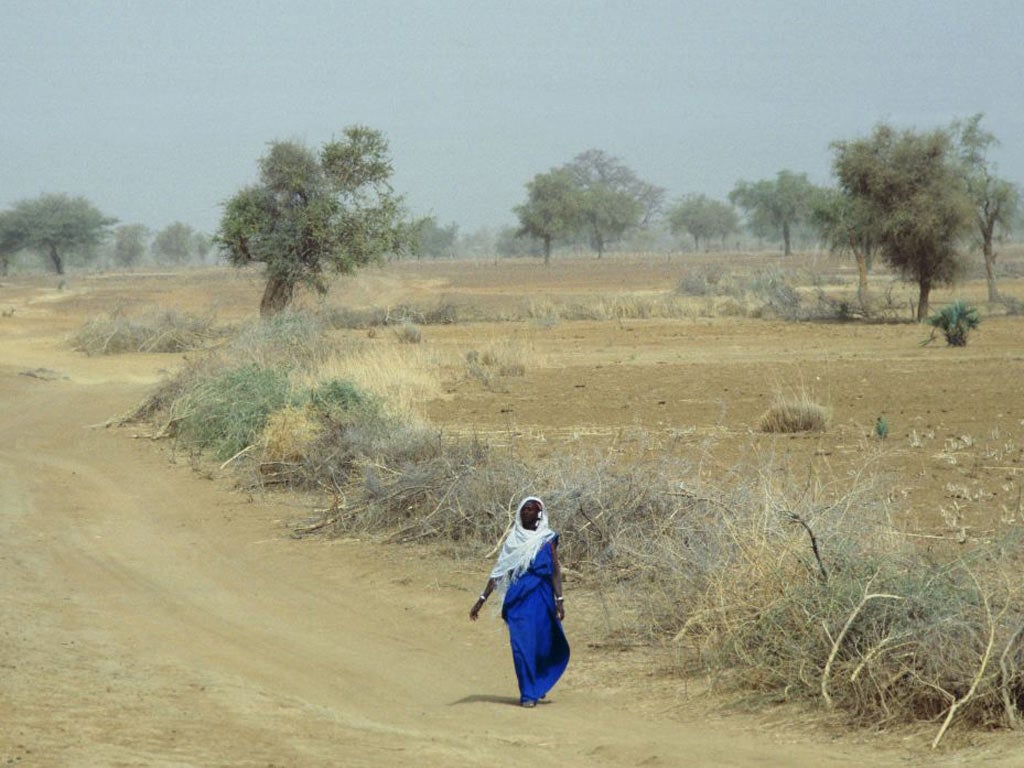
(153, 614)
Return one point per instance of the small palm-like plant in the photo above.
(955, 321)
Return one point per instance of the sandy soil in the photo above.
(153, 616)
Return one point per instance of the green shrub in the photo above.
(340, 400)
(227, 412)
(956, 320)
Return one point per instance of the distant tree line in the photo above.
(913, 198)
(64, 231)
(595, 198)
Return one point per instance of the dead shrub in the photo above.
(777, 295)
(706, 280)
(292, 340)
(443, 313)
(156, 330)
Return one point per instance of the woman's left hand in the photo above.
(560, 610)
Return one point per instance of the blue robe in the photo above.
(540, 651)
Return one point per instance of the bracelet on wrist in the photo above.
(483, 598)
(559, 598)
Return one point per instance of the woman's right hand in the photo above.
(474, 612)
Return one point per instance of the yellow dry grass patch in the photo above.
(289, 433)
(400, 376)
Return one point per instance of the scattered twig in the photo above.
(814, 543)
(237, 455)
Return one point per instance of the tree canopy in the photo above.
(846, 225)
(995, 201)
(315, 212)
(702, 218)
(912, 190)
(776, 206)
(130, 244)
(594, 196)
(553, 209)
(56, 226)
(613, 199)
(174, 244)
(433, 240)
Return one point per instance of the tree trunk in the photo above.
(276, 296)
(55, 259)
(990, 269)
(547, 250)
(862, 280)
(785, 239)
(922, 300)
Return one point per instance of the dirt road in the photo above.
(151, 617)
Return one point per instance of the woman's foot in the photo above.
(529, 703)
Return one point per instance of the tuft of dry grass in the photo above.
(796, 413)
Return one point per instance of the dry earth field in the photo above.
(155, 615)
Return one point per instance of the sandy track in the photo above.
(151, 617)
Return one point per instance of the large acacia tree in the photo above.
(55, 226)
(996, 201)
(776, 205)
(315, 212)
(913, 193)
(613, 199)
(553, 209)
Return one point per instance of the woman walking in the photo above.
(529, 576)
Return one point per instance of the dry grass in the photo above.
(408, 333)
(289, 433)
(507, 358)
(795, 413)
(401, 377)
(156, 330)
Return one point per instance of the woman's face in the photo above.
(530, 515)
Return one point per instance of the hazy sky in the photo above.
(158, 111)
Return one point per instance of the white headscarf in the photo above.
(521, 546)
